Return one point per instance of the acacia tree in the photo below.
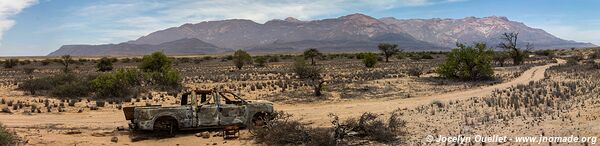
(240, 58)
(388, 50)
(66, 61)
(310, 74)
(510, 44)
(312, 53)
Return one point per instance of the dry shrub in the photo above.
(284, 130)
(370, 126)
(7, 137)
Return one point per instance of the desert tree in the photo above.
(468, 62)
(66, 61)
(388, 50)
(309, 74)
(105, 64)
(509, 44)
(369, 59)
(312, 54)
(157, 67)
(240, 58)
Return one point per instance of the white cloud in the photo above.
(9, 8)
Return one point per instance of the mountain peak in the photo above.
(497, 18)
(356, 16)
(292, 19)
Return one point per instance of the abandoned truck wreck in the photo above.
(213, 109)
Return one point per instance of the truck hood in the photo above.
(259, 102)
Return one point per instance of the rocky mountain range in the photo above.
(351, 33)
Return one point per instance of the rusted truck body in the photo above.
(213, 109)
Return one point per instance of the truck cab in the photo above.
(200, 109)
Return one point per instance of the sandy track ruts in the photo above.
(312, 112)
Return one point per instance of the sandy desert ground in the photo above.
(412, 96)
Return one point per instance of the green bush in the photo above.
(468, 63)
(47, 84)
(426, 56)
(369, 59)
(105, 64)
(158, 72)
(74, 89)
(166, 81)
(260, 61)
(7, 137)
(121, 84)
(273, 58)
(155, 62)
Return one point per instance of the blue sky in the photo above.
(38, 27)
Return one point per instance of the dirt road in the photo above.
(94, 125)
(318, 113)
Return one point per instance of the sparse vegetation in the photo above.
(10, 63)
(309, 74)
(285, 130)
(416, 71)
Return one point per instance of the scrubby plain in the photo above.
(567, 95)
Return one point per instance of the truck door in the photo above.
(208, 114)
(229, 113)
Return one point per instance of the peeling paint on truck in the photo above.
(222, 111)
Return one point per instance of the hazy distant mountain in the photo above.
(446, 32)
(177, 47)
(356, 32)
